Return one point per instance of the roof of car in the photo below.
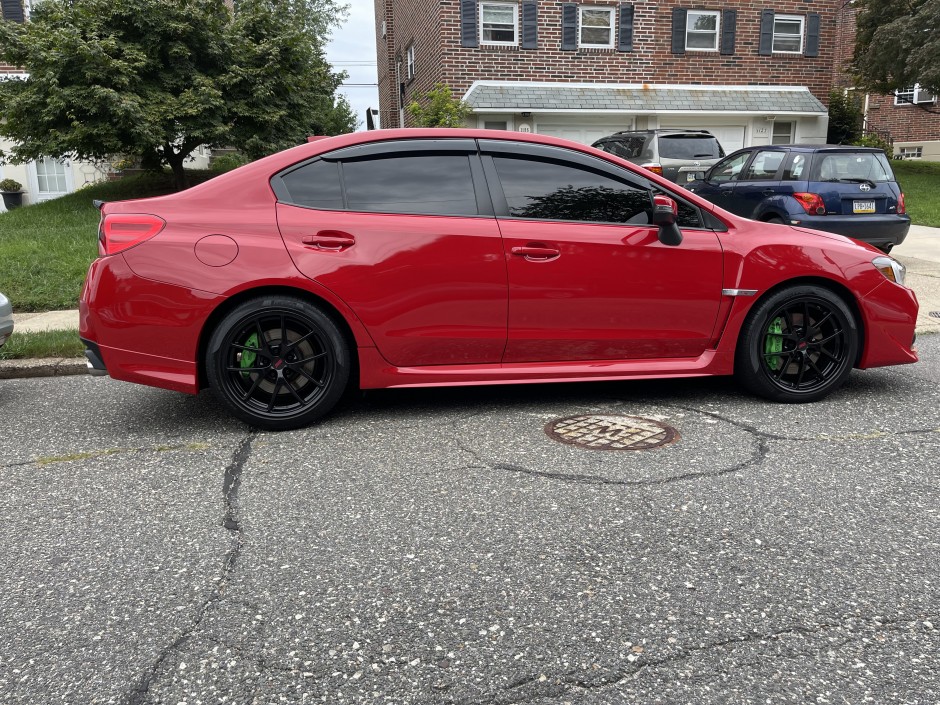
(811, 148)
(671, 131)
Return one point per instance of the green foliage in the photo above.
(52, 343)
(872, 140)
(11, 186)
(845, 118)
(440, 109)
(157, 78)
(898, 44)
(920, 181)
(227, 162)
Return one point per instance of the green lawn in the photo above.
(45, 249)
(920, 182)
(53, 343)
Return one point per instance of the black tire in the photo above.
(267, 384)
(780, 358)
(775, 220)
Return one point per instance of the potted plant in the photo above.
(12, 192)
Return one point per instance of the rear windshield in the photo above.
(689, 147)
(851, 167)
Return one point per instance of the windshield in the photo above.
(689, 147)
(852, 167)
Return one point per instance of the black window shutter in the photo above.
(530, 24)
(625, 30)
(13, 10)
(569, 26)
(812, 35)
(729, 20)
(679, 18)
(766, 47)
(468, 23)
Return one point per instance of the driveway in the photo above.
(437, 546)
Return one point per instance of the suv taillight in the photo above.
(812, 203)
(121, 231)
(902, 209)
(655, 168)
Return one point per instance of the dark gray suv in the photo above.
(680, 155)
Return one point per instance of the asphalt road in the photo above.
(436, 546)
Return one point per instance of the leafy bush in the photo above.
(11, 186)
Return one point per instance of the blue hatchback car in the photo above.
(840, 189)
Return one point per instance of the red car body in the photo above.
(441, 300)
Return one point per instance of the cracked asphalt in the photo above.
(436, 546)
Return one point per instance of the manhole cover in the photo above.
(611, 432)
(935, 314)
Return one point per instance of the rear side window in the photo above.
(764, 167)
(796, 168)
(627, 148)
(315, 185)
(432, 184)
(851, 167)
(689, 147)
(548, 190)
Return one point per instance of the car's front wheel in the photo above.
(278, 362)
(798, 345)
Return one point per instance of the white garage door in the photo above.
(584, 135)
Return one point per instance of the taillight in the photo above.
(655, 168)
(812, 203)
(120, 231)
(902, 209)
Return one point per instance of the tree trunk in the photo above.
(176, 164)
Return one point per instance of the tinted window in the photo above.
(627, 148)
(795, 169)
(432, 184)
(689, 147)
(851, 166)
(764, 167)
(553, 191)
(315, 185)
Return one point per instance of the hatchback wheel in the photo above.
(278, 362)
(798, 345)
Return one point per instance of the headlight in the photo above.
(891, 268)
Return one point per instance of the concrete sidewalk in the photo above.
(920, 253)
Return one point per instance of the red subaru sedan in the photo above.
(406, 258)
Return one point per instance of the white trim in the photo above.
(410, 61)
(11, 76)
(609, 11)
(645, 86)
(515, 24)
(790, 18)
(713, 13)
(33, 178)
(915, 96)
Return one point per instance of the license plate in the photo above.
(863, 206)
(693, 175)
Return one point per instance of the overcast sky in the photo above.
(352, 50)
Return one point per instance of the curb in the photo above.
(51, 367)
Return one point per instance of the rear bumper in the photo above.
(877, 230)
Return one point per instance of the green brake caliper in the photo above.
(248, 357)
(774, 344)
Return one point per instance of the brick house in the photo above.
(752, 73)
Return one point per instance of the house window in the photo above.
(410, 61)
(499, 23)
(913, 94)
(911, 152)
(701, 31)
(597, 27)
(788, 34)
(495, 125)
(782, 133)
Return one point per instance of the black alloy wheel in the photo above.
(278, 363)
(798, 345)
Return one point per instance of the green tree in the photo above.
(157, 78)
(898, 44)
(441, 109)
(845, 117)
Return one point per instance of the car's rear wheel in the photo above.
(774, 219)
(278, 362)
(798, 345)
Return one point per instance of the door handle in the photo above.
(330, 240)
(536, 254)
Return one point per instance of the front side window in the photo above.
(596, 27)
(729, 169)
(701, 33)
(426, 184)
(499, 23)
(550, 190)
(788, 34)
(765, 166)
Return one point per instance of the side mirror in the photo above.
(665, 212)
